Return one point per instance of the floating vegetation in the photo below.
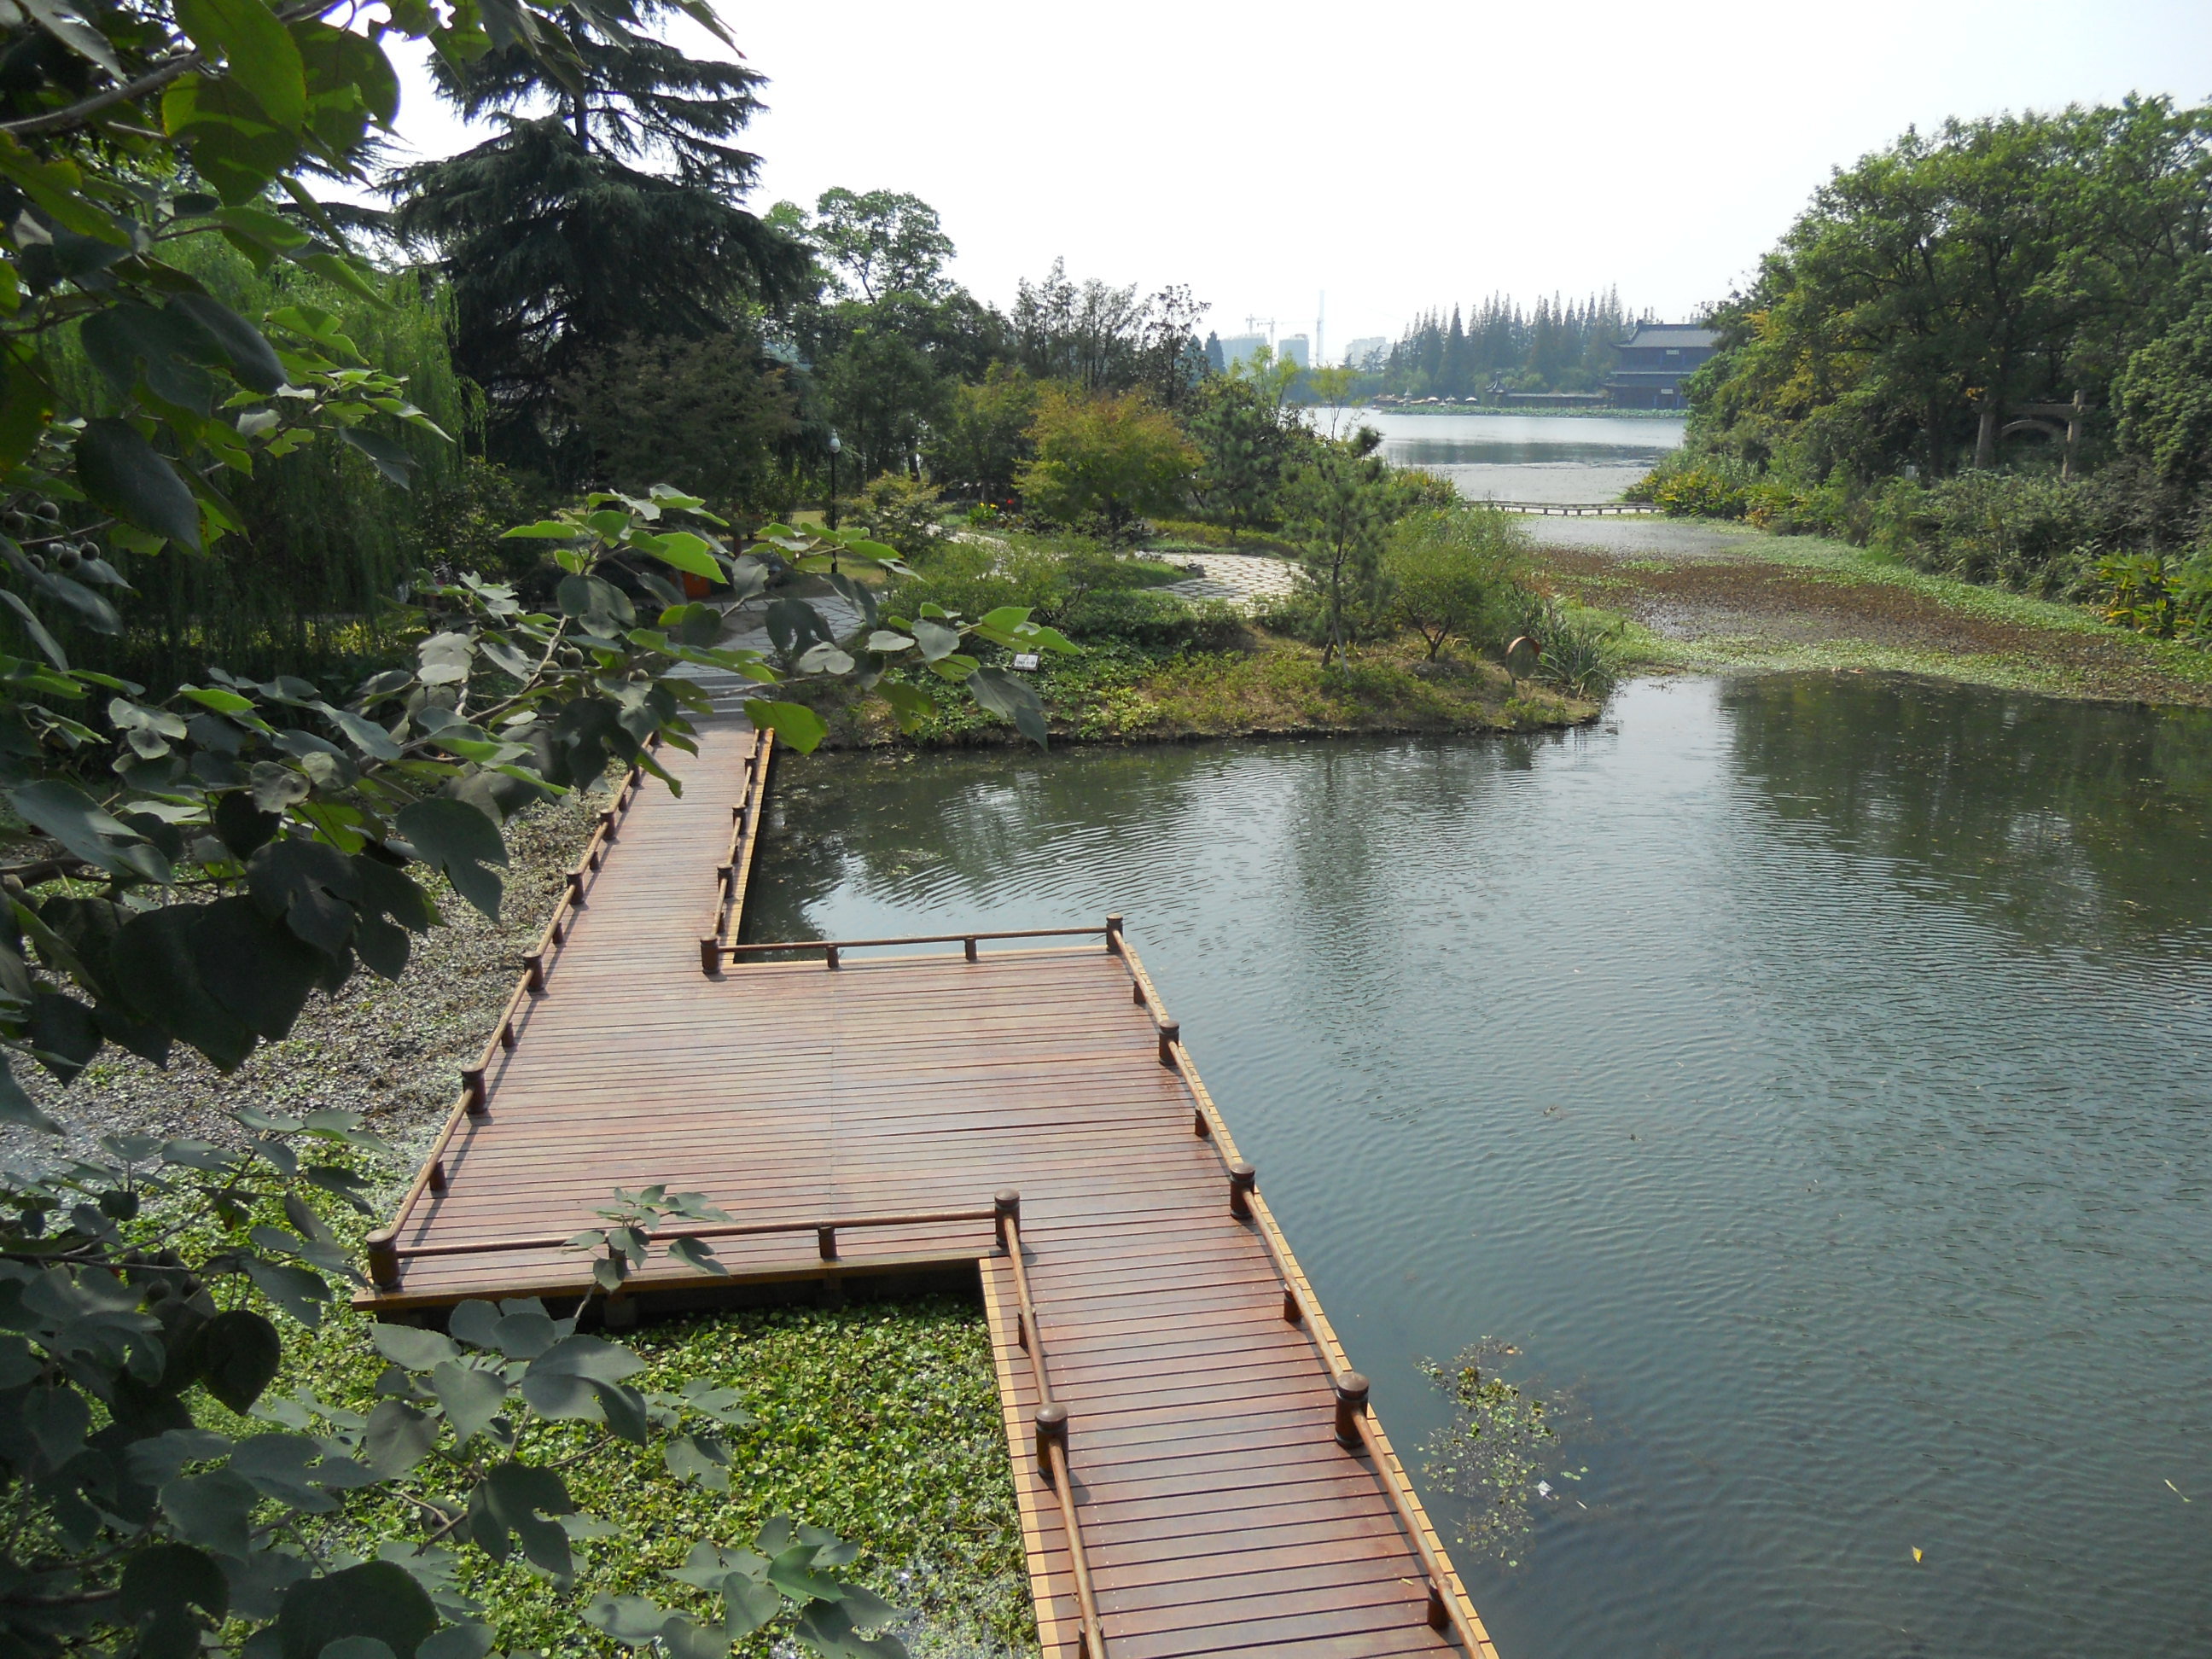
(1501, 1453)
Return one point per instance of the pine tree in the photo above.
(613, 216)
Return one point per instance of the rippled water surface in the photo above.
(1813, 1073)
(1523, 458)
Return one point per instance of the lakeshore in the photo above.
(1696, 596)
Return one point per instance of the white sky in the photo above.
(1411, 155)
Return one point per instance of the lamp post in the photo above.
(834, 448)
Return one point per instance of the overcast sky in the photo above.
(1395, 157)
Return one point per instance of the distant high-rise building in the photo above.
(1367, 355)
(1242, 349)
(1294, 348)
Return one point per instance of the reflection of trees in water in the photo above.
(965, 833)
(2059, 816)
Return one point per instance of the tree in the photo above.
(1452, 574)
(2164, 395)
(1940, 281)
(614, 216)
(1246, 436)
(883, 242)
(225, 849)
(1116, 455)
(1338, 502)
(707, 415)
(984, 436)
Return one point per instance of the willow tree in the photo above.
(606, 210)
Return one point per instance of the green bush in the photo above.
(1153, 621)
(1452, 573)
(2030, 531)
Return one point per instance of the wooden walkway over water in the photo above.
(1017, 1106)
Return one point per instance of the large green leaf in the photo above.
(389, 456)
(256, 49)
(686, 551)
(236, 146)
(251, 357)
(452, 836)
(508, 1503)
(1012, 699)
(376, 1599)
(157, 969)
(794, 723)
(472, 1397)
(254, 965)
(124, 473)
(87, 830)
(560, 1382)
(237, 1353)
(308, 886)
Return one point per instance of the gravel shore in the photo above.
(390, 1051)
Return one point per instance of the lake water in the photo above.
(1812, 1074)
(1522, 458)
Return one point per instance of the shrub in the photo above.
(2030, 531)
(1154, 622)
(900, 512)
(1450, 573)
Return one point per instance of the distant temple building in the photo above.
(1654, 361)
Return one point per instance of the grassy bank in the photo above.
(1703, 597)
(1264, 686)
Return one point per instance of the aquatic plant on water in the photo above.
(1500, 1454)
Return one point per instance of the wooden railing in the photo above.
(384, 1257)
(1051, 1419)
(736, 862)
(833, 949)
(1356, 1429)
(531, 985)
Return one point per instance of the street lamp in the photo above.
(834, 448)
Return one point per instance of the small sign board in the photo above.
(1025, 660)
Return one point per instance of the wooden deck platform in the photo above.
(1216, 1510)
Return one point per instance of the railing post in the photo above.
(506, 1037)
(534, 965)
(710, 955)
(607, 823)
(576, 888)
(1243, 1181)
(438, 1182)
(1170, 1034)
(1113, 935)
(1350, 1400)
(1292, 1314)
(1198, 1126)
(1136, 992)
(472, 1089)
(1439, 1615)
(1005, 1206)
(384, 1259)
(829, 957)
(1051, 1430)
(968, 947)
(826, 1237)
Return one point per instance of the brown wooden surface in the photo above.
(1219, 1514)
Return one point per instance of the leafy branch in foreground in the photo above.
(130, 1290)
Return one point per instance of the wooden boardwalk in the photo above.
(1204, 1393)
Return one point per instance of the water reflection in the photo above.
(1532, 458)
(1808, 1070)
